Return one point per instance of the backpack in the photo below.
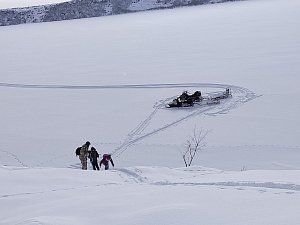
(78, 151)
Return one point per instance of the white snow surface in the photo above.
(108, 79)
(145, 195)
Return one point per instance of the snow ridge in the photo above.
(77, 9)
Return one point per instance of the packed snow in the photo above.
(107, 80)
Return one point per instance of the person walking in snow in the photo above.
(94, 158)
(105, 161)
(84, 152)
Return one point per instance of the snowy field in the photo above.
(108, 79)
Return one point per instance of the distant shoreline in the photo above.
(78, 9)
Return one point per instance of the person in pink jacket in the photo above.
(105, 161)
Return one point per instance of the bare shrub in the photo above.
(194, 144)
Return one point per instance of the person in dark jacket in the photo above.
(94, 158)
(105, 161)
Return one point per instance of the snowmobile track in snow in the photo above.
(120, 86)
(240, 96)
(14, 156)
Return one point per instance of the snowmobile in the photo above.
(216, 99)
(224, 95)
(188, 100)
(185, 100)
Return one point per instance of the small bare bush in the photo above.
(194, 144)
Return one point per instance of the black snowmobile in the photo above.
(188, 100)
(185, 100)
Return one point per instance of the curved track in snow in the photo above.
(167, 177)
(134, 175)
(118, 86)
(240, 95)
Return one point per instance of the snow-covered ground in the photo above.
(145, 195)
(107, 80)
(7, 4)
